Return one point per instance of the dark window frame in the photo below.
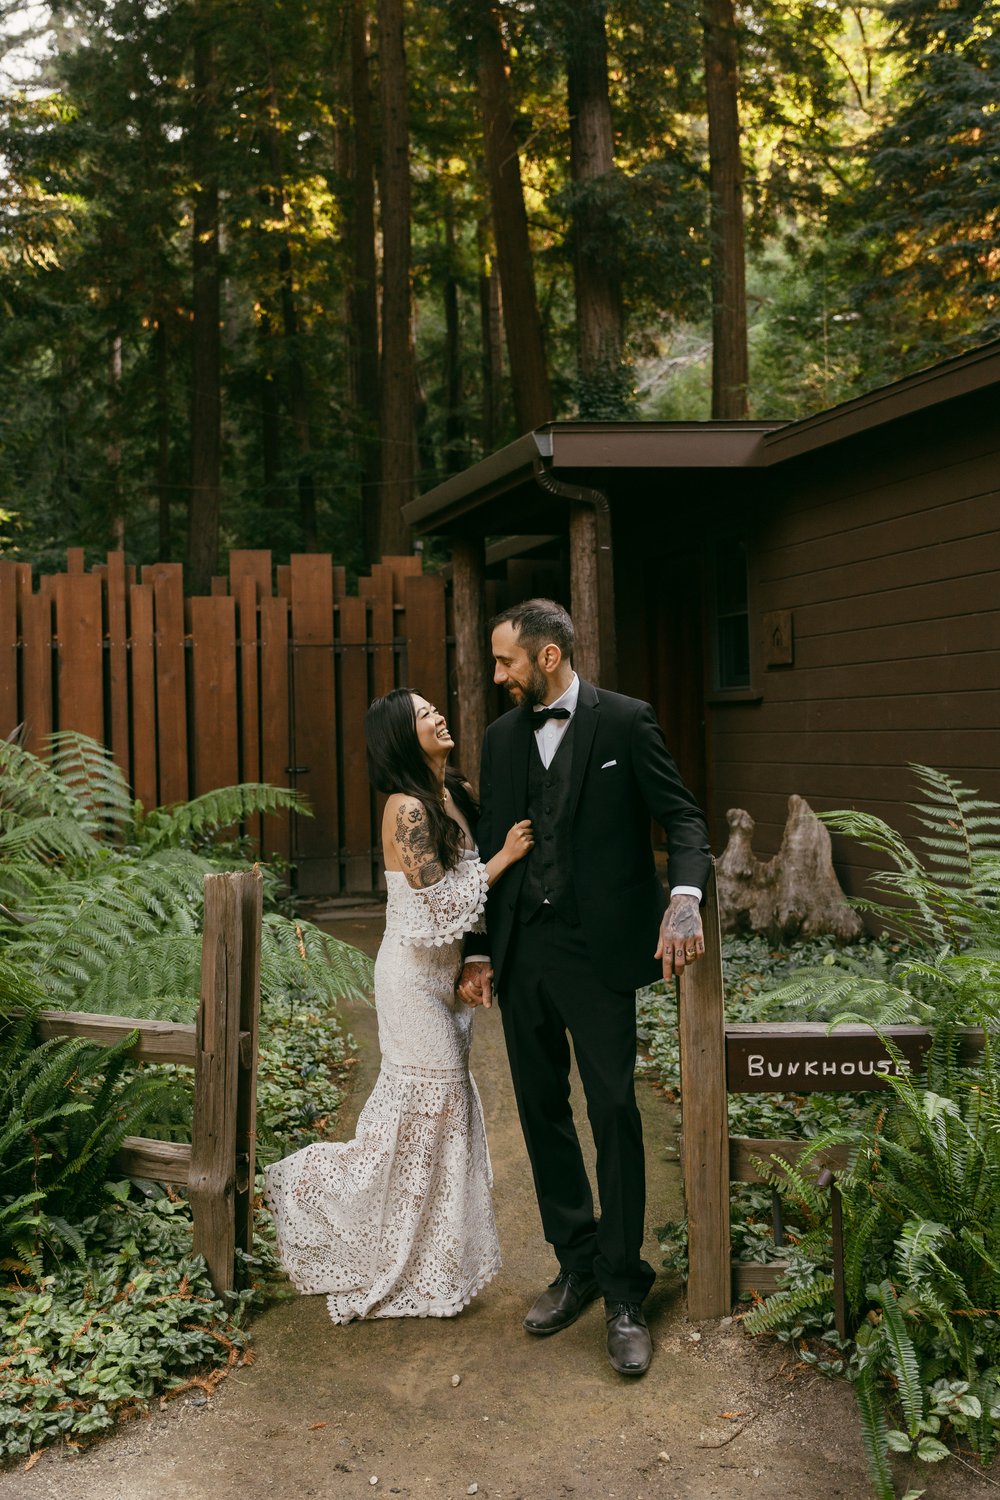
(732, 664)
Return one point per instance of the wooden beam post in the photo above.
(584, 592)
(225, 970)
(706, 1123)
(468, 578)
(250, 893)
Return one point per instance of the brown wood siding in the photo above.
(887, 552)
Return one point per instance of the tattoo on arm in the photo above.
(420, 860)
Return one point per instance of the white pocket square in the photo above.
(608, 763)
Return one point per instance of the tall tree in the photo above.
(357, 173)
(932, 198)
(730, 373)
(604, 385)
(522, 324)
(206, 339)
(397, 371)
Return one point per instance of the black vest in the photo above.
(548, 872)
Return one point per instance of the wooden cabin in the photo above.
(810, 606)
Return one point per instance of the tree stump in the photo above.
(793, 895)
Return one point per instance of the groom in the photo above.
(573, 930)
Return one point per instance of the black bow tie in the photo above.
(540, 716)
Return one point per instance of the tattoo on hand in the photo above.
(682, 918)
(416, 848)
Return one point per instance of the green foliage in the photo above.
(932, 198)
(66, 1105)
(95, 1339)
(113, 923)
(101, 911)
(921, 1198)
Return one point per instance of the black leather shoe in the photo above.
(562, 1302)
(630, 1348)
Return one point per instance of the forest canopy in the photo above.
(270, 268)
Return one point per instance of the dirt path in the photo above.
(326, 1412)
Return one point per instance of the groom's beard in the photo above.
(529, 693)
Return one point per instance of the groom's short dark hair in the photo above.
(539, 622)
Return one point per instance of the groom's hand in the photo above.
(682, 940)
(475, 986)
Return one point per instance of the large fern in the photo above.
(101, 902)
(921, 1198)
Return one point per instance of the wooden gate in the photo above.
(219, 1165)
(257, 682)
(770, 1057)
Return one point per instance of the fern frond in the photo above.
(312, 959)
(902, 1355)
(30, 788)
(874, 1432)
(223, 808)
(88, 769)
(782, 1307)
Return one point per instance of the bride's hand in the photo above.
(519, 841)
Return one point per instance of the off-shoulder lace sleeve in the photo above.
(443, 912)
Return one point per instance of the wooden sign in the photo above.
(779, 650)
(807, 1058)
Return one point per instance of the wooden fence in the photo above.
(249, 684)
(218, 1166)
(768, 1057)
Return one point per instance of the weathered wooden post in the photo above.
(250, 889)
(229, 985)
(705, 1123)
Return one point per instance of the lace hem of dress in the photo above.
(447, 910)
(341, 1311)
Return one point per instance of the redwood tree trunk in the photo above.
(363, 296)
(522, 324)
(161, 356)
(206, 343)
(455, 456)
(116, 518)
(294, 363)
(603, 381)
(398, 379)
(490, 342)
(729, 301)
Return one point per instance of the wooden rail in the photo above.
(218, 1166)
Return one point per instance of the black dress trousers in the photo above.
(550, 994)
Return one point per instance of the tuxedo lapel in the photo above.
(585, 720)
(519, 751)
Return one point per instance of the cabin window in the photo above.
(732, 616)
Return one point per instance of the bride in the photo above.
(399, 1221)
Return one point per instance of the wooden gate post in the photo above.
(705, 1123)
(250, 888)
(229, 981)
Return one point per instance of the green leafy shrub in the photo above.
(101, 910)
(95, 1339)
(922, 1196)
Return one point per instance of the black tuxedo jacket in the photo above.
(621, 776)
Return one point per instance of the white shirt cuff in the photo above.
(685, 890)
(476, 958)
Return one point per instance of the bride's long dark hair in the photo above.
(396, 763)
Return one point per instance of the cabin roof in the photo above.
(536, 473)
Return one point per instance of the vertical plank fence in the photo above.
(253, 682)
(218, 1166)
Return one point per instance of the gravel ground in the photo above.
(374, 1408)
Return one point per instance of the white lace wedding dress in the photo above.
(399, 1221)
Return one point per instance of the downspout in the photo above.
(592, 584)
